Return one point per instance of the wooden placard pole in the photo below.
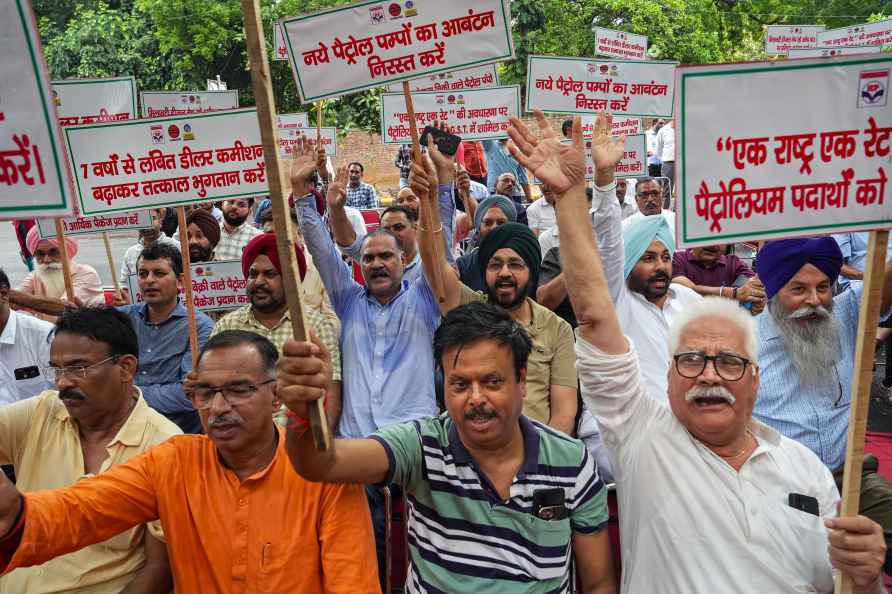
(266, 115)
(319, 123)
(868, 318)
(66, 262)
(187, 283)
(426, 215)
(111, 265)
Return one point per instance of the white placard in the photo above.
(619, 44)
(371, 43)
(280, 49)
(633, 163)
(479, 77)
(125, 221)
(293, 120)
(621, 125)
(583, 85)
(34, 176)
(780, 39)
(156, 104)
(140, 164)
(878, 33)
(288, 136)
(216, 286)
(473, 115)
(90, 100)
(832, 52)
(753, 164)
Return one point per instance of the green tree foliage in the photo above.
(177, 44)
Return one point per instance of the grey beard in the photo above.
(812, 347)
(53, 279)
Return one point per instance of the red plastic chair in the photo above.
(372, 219)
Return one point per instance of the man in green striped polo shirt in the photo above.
(497, 502)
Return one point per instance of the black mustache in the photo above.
(71, 394)
(660, 276)
(479, 412)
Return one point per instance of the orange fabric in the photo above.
(274, 532)
(474, 158)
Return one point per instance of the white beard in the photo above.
(52, 278)
(814, 347)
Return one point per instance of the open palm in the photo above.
(303, 164)
(336, 197)
(561, 166)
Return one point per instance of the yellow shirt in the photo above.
(552, 360)
(42, 441)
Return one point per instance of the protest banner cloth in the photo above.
(621, 125)
(266, 118)
(156, 104)
(832, 52)
(473, 115)
(127, 221)
(216, 286)
(619, 44)
(91, 100)
(781, 170)
(590, 85)
(479, 77)
(127, 166)
(371, 43)
(289, 136)
(780, 39)
(34, 175)
(878, 33)
(784, 171)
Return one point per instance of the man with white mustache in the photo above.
(807, 342)
(703, 488)
(43, 291)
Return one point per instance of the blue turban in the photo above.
(502, 202)
(640, 233)
(779, 261)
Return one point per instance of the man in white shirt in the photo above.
(703, 488)
(540, 214)
(24, 350)
(649, 198)
(666, 150)
(653, 157)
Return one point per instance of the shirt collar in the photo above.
(179, 311)
(8, 336)
(131, 432)
(461, 455)
(766, 327)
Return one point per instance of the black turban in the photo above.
(518, 238)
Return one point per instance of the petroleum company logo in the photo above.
(873, 88)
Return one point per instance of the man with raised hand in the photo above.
(237, 518)
(701, 484)
(508, 261)
(497, 503)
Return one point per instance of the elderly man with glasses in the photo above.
(94, 420)
(236, 516)
(649, 198)
(711, 500)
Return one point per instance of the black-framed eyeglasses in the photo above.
(729, 367)
(52, 374)
(235, 394)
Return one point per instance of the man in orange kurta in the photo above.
(237, 518)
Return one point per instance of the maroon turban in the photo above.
(265, 244)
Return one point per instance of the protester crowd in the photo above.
(502, 364)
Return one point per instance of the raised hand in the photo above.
(607, 151)
(445, 164)
(303, 374)
(303, 166)
(561, 166)
(423, 178)
(336, 197)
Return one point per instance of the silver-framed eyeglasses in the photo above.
(52, 374)
(729, 367)
(235, 393)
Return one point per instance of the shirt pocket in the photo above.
(802, 539)
(27, 388)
